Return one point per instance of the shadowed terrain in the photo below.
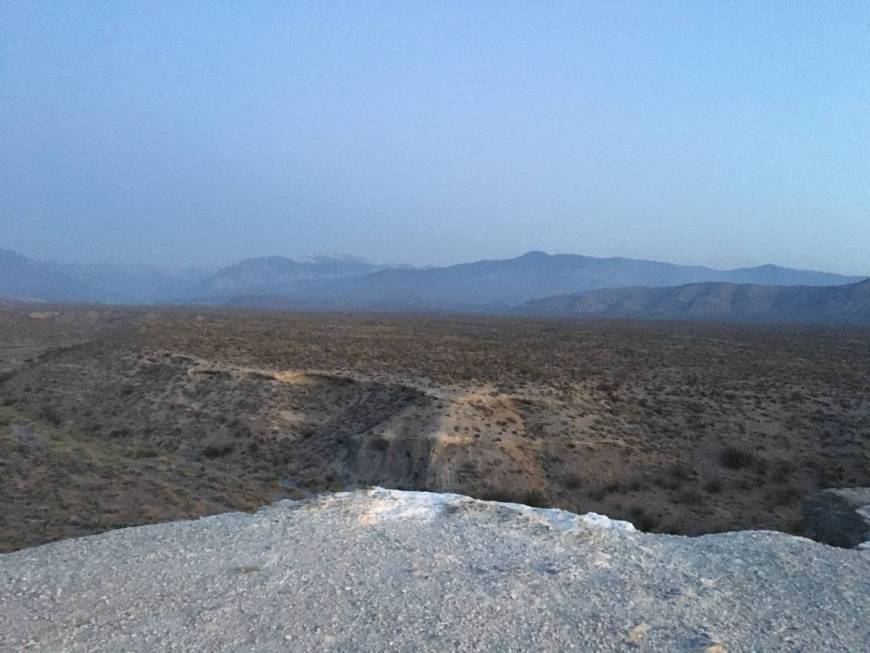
(845, 304)
(115, 417)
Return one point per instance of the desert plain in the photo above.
(113, 417)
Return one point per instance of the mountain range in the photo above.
(845, 304)
(48, 281)
(534, 283)
(278, 275)
(501, 285)
(24, 279)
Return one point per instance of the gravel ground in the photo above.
(405, 571)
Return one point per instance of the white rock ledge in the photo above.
(382, 570)
(384, 504)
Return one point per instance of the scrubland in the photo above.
(114, 417)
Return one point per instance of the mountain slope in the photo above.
(774, 275)
(278, 274)
(498, 285)
(847, 304)
(25, 279)
(135, 284)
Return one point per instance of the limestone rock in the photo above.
(386, 570)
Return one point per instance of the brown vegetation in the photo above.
(112, 418)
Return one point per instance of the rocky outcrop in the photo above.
(839, 517)
(411, 571)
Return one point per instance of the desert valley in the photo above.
(114, 417)
(424, 327)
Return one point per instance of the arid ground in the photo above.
(112, 417)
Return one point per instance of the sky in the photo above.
(717, 133)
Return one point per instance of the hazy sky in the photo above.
(723, 133)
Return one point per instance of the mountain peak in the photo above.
(767, 266)
(535, 254)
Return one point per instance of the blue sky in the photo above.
(720, 133)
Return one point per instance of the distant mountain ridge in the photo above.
(27, 280)
(279, 274)
(347, 283)
(501, 285)
(845, 304)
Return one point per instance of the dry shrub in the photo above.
(735, 458)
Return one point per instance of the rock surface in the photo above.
(408, 571)
(840, 517)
